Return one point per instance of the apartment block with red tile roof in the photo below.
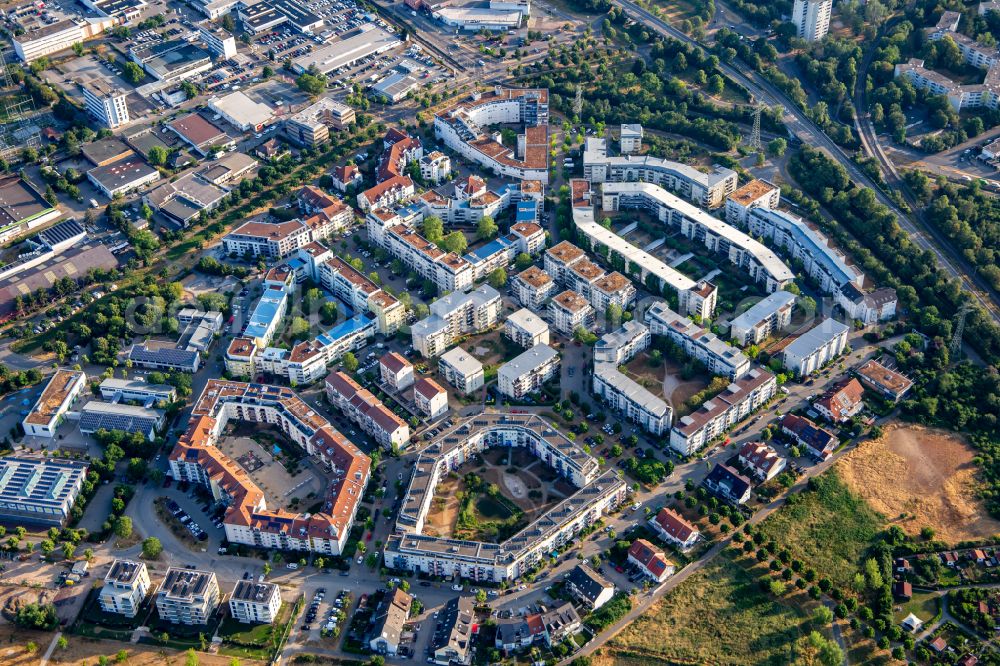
(362, 407)
(196, 458)
(430, 397)
(396, 372)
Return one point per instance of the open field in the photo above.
(928, 475)
(718, 616)
(829, 528)
(86, 651)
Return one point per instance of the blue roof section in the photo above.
(344, 329)
(265, 312)
(508, 187)
(488, 250)
(295, 263)
(527, 204)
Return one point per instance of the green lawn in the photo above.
(719, 616)
(923, 605)
(828, 528)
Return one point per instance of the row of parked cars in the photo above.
(188, 522)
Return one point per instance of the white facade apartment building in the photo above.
(559, 259)
(396, 371)
(816, 347)
(187, 596)
(635, 402)
(56, 399)
(435, 167)
(630, 138)
(361, 406)
(569, 311)
(528, 372)
(447, 270)
(620, 346)
(811, 18)
(697, 342)
(746, 253)
(263, 239)
(766, 316)
(105, 103)
(358, 291)
(255, 603)
(59, 36)
(455, 315)
(460, 128)
(218, 40)
(820, 261)
(612, 289)
(461, 370)
(125, 588)
(717, 415)
(755, 194)
(705, 189)
(526, 329)
(532, 287)
(697, 298)
(430, 398)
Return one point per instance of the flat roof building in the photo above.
(813, 349)
(39, 491)
(255, 603)
(367, 40)
(697, 341)
(56, 399)
(22, 207)
(461, 370)
(763, 318)
(241, 111)
(123, 176)
(97, 415)
(526, 329)
(527, 372)
(106, 103)
(187, 596)
(632, 400)
(125, 587)
(114, 389)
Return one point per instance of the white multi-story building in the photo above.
(717, 415)
(218, 40)
(447, 270)
(358, 291)
(527, 372)
(311, 126)
(559, 259)
(265, 239)
(411, 550)
(306, 362)
(705, 189)
(187, 596)
(361, 406)
(61, 35)
(755, 194)
(630, 139)
(612, 289)
(766, 316)
(396, 371)
(247, 520)
(696, 298)
(125, 587)
(255, 603)
(816, 347)
(697, 342)
(455, 315)
(811, 18)
(634, 401)
(55, 401)
(460, 128)
(105, 103)
(749, 255)
(435, 167)
(569, 311)
(618, 347)
(461, 370)
(430, 398)
(532, 287)
(526, 329)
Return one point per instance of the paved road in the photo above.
(810, 134)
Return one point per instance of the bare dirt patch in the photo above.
(921, 477)
(86, 651)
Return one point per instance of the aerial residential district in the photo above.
(499, 332)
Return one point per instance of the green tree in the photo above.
(454, 242)
(68, 549)
(481, 596)
(62, 643)
(133, 73)
(311, 84)
(522, 261)
(123, 527)
(151, 548)
(497, 278)
(486, 228)
(433, 229)
(777, 147)
(350, 362)
(157, 155)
